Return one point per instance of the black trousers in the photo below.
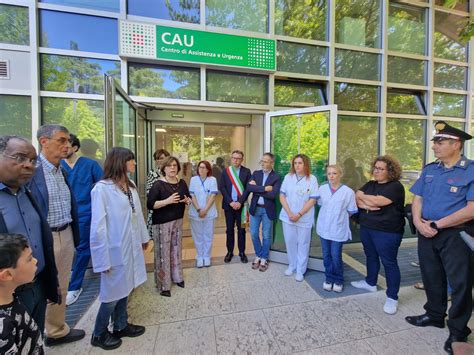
(446, 255)
(232, 218)
(33, 297)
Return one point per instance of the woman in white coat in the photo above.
(203, 212)
(298, 195)
(118, 238)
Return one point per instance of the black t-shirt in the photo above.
(161, 190)
(390, 218)
(19, 333)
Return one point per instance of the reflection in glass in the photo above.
(76, 74)
(124, 129)
(406, 29)
(301, 58)
(405, 103)
(102, 5)
(14, 25)
(162, 81)
(358, 22)
(357, 65)
(233, 87)
(406, 71)
(460, 5)
(472, 145)
(451, 105)
(15, 115)
(78, 32)
(248, 15)
(298, 94)
(446, 40)
(352, 97)
(450, 76)
(301, 19)
(174, 10)
(456, 124)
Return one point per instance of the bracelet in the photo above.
(300, 214)
(199, 210)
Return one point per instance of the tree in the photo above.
(14, 24)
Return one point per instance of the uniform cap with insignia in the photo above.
(445, 131)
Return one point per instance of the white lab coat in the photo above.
(116, 240)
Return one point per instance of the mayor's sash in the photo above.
(239, 187)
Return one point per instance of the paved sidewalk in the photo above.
(233, 309)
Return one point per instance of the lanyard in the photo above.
(203, 187)
(298, 179)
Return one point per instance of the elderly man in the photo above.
(50, 188)
(20, 214)
(443, 207)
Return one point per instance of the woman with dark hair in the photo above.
(168, 199)
(298, 196)
(203, 212)
(381, 217)
(118, 235)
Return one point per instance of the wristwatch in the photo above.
(434, 226)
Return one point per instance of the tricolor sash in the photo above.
(239, 187)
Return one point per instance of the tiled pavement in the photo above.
(233, 309)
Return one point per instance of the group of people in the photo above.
(55, 203)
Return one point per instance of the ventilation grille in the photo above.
(4, 69)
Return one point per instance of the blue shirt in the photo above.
(21, 218)
(235, 195)
(445, 190)
(260, 200)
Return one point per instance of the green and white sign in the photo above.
(178, 44)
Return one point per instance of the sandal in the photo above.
(419, 286)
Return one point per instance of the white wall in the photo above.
(20, 73)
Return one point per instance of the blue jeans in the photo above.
(332, 259)
(382, 246)
(117, 310)
(262, 248)
(83, 255)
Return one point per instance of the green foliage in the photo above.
(248, 15)
(295, 94)
(15, 115)
(14, 25)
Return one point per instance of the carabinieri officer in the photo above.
(444, 206)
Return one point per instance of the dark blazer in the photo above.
(259, 191)
(38, 188)
(225, 187)
(49, 275)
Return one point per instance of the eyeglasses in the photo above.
(62, 140)
(21, 159)
(237, 158)
(378, 169)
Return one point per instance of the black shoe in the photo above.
(73, 335)
(424, 320)
(228, 257)
(130, 330)
(106, 341)
(166, 293)
(180, 284)
(243, 258)
(448, 345)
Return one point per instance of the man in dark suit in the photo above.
(20, 214)
(265, 186)
(232, 185)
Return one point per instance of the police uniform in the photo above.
(445, 191)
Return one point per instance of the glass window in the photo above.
(301, 19)
(406, 71)
(84, 118)
(358, 22)
(450, 105)
(174, 10)
(76, 74)
(472, 144)
(125, 119)
(406, 29)
(301, 58)
(460, 4)
(406, 103)
(15, 115)
(102, 5)
(161, 81)
(248, 15)
(456, 124)
(232, 87)
(14, 25)
(447, 44)
(355, 152)
(298, 94)
(78, 32)
(357, 65)
(352, 97)
(450, 76)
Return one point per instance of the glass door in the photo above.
(311, 131)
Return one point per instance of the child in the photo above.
(19, 334)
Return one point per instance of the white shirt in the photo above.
(202, 190)
(298, 190)
(333, 218)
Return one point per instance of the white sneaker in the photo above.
(199, 262)
(299, 277)
(72, 296)
(289, 271)
(364, 285)
(390, 306)
(207, 262)
(327, 286)
(337, 288)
